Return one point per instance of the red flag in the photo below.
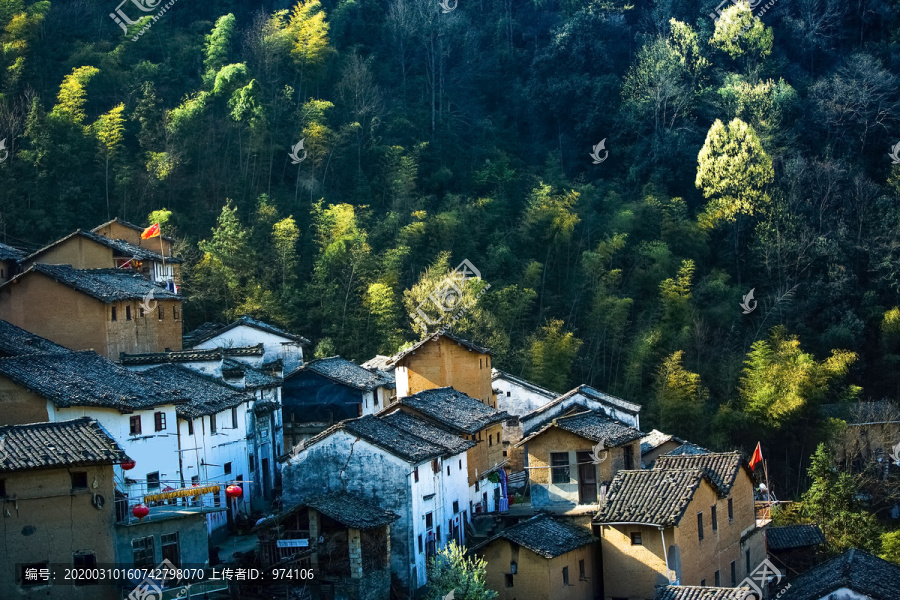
(757, 456)
(152, 231)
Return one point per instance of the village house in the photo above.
(853, 575)
(542, 558)
(571, 460)
(327, 390)
(99, 309)
(88, 250)
(470, 419)
(9, 262)
(57, 487)
(518, 397)
(872, 430)
(15, 341)
(445, 360)
(401, 464)
(277, 343)
(655, 444)
(581, 398)
(794, 548)
(344, 538)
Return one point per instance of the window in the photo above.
(460, 464)
(159, 420)
(718, 583)
(565, 575)
(435, 467)
(251, 463)
(217, 498)
(702, 583)
(730, 511)
(176, 313)
(128, 313)
(733, 574)
(429, 520)
(86, 561)
(636, 538)
(112, 314)
(212, 423)
(190, 427)
(2, 488)
(700, 525)
(421, 547)
(491, 440)
(509, 580)
(416, 474)
(504, 453)
(169, 545)
(629, 457)
(715, 520)
(747, 556)
(161, 312)
(507, 394)
(41, 568)
(79, 480)
(135, 425)
(581, 574)
(455, 506)
(234, 417)
(476, 486)
(142, 551)
(153, 480)
(228, 468)
(141, 312)
(448, 470)
(480, 365)
(559, 465)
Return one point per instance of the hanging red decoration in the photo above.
(140, 511)
(234, 491)
(128, 465)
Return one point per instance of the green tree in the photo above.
(681, 398)
(109, 129)
(550, 356)
(308, 33)
(890, 546)
(452, 571)
(217, 47)
(72, 95)
(741, 34)
(284, 237)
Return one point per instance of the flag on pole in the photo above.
(757, 456)
(152, 231)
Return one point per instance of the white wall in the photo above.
(274, 346)
(517, 399)
(589, 403)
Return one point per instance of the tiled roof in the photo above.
(655, 439)
(854, 569)
(76, 443)
(498, 374)
(127, 224)
(378, 363)
(190, 355)
(87, 379)
(202, 330)
(9, 253)
(352, 510)
(689, 449)
(723, 467)
(427, 431)
(545, 535)
(262, 407)
(793, 536)
(696, 592)
(198, 337)
(591, 425)
(538, 417)
(377, 431)
(345, 372)
(653, 497)
(470, 345)
(207, 395)
(121, 247)
(16, 342)
(106, 285)
(454, 409)
(253, 377)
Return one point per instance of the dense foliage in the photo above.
(738, 154)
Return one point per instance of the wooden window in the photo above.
(128, 313)
(176, 312)
(700, 525)
(79, 480)
(509, 580)
(159, 420)
(429, 520)
(153, 480)
(161, 312)
(559, 463)
(112, 314)
(636, 538)
(491, 440)
(212, 423)
(190, 427)
(455, 506)
(730, 511)
(228, 468)
(581, 572)
(565, 576)
(435, 467)
(142, 551)
(134, 424)
(234, 419)
(416, 474)
(629, 457)
(169, 545)
(714, 518)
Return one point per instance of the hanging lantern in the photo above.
(128, 465)
(140, 511)
(234, 491)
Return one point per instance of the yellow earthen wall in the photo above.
(632, 571)
(117, 231)
(77, 251)
(538, 578)
(443, 362)
(20, 406)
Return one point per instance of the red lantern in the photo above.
(140, 511)
(128, 465)
(234, 491)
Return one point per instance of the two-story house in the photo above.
(399, 463)
(581, 398)
(130, 233)
(107, 310)
(9, 262)
(572, 460)
(472, 420)
(518, 397)
(325, 391)
(277, 343)
(57, 487)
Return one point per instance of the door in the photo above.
(265, 478)
(587, 479)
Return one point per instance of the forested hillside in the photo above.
(622, 175)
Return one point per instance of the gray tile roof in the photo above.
(207, 395)
(427, 431)
(87, 379)
(106, 285)
(466, 343)
(16, 342)
(655, 439)
(695, 592)
(687, 448)
(120, 247)
(854, 569)
(545, 535)
(652, 497)
(198, 337)
(348, 373)
(539, 417)
(253, 377)
(591, 425)
(722, 467)
(456, 410)
(8, 253)
(189, 355)
(75, 443)
(790, 537)
(378, 363)
(351, 510)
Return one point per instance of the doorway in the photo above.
(587, 479)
